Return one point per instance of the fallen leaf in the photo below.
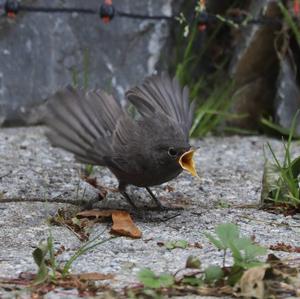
(122, 222)
(123, 225)
(251, 284)
(280, 246)
(93, 276)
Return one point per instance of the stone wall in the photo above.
(39, 51)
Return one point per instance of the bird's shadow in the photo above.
(146, 210)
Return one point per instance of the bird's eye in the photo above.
(172, 152)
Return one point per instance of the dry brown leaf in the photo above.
(93, 276)
(123, 225)
(205, 291)
(280, 246)
(251, 283)
(122, 222)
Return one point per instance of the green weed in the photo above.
(176, 244)
(271, 127)
(150, 280)
(281, 179)
(290, 21)
(243, 251)
(212, 95)
(48, 265)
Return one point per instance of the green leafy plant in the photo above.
(39, 256)
(48, 266)
(244, 253)
(176, 244)
(193, 262)
(213, 273)
(212, 94)
(150, 280)
(89, 168)
(281, 179)
(213, 110)
(227, 238)
(271, 127)
(290, 21)
(209, 276)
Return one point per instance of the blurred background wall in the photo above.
(41, 52)
(239, 58)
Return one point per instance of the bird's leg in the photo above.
(129, 200)
(159, 205)
(122, 189)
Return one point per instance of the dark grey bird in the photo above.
(144, 151)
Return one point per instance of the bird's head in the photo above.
(177, 158)
(184, 157)
(170, 146)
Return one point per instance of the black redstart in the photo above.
(144, 151)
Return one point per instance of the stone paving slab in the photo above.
(230, 172)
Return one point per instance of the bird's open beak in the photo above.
(187, 163)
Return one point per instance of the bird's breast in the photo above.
(147, 177)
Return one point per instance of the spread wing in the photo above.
(163, 94)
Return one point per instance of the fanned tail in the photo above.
(82, 123)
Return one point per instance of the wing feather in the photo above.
(163, 94)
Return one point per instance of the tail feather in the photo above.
(74, 113)
(82, 123)
(60, 141)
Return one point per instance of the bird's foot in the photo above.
(160, 206)
(129, 200)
